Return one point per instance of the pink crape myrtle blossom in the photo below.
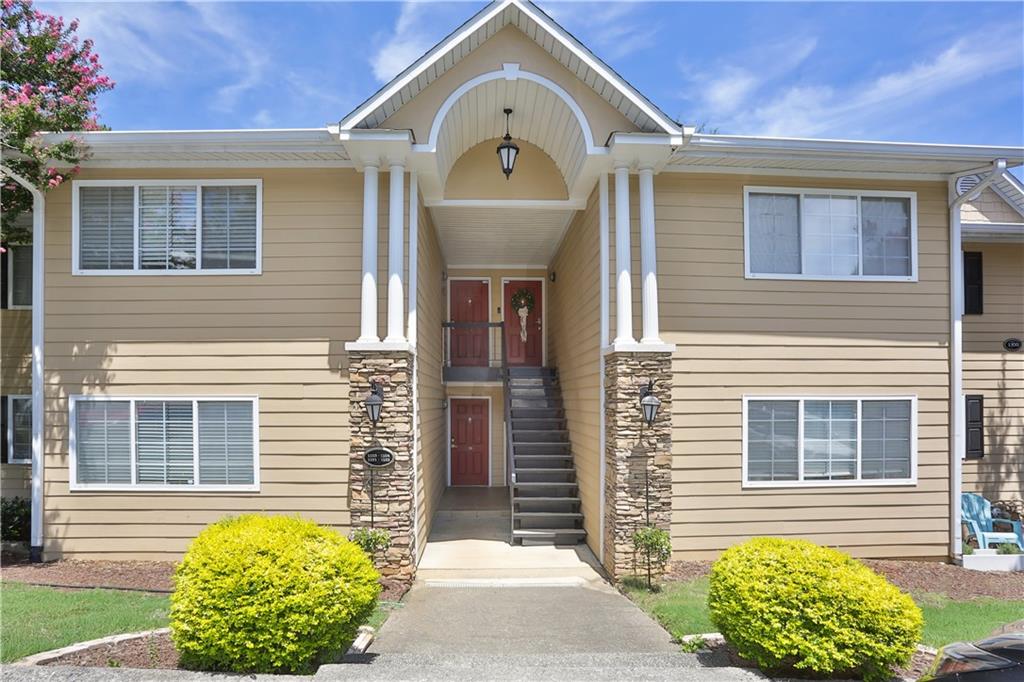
(49, 82)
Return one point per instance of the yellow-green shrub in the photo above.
(791, 603)
(269, 594)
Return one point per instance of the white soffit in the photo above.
(493, 236)
(793, 156)
(539, 116)
(543, 30)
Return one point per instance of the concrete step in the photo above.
(539, 436)
(543, 485)
(544, 499)
(548, 535)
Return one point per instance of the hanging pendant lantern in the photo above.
(507, 150)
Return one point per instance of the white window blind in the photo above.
(225, 443)
(106, 227)
(164, 444)
(229, 227)
(816, 441)
(21, 275)
(159, 227)
(167, 227)
(103, 442)
(830, 235)
(19, 435)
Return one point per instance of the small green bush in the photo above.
(1007, 548)
(372, 540)
(792, 604)
(258, 594)
(966, 549)
(15, 519)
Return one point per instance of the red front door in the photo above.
(470, 440)
(528, 352)
(469, 304)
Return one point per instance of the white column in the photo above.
(414, 229)
(648, 259)
(368, 303)
(623, 273)
(396, 259)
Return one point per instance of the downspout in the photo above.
(38, 263)
(956, 341)
(602, 199)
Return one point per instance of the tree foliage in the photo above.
(49, 81)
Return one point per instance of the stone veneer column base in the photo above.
(393, 485)
(630, 446)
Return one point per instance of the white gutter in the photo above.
(957, 448)
(602, 200)
(38, 264)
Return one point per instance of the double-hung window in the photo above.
(17, 429)
(829, 441)
(164, 443)
(830, 234)
(18, 271)
(167, 227)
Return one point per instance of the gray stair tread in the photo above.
(546, 532)
(546, 470)
(545, 483)
(534, 514)
(546, 499)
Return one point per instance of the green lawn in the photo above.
(682, 609)
(38, 619)
(34, 619)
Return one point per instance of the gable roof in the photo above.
(542, 29)
(1007, 187)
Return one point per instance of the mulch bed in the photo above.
(146, 576)
(155, 651)
(721, 654)
(913, 576)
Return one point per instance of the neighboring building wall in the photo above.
(574, 339)
(15, 379)
(280, 335)
(430, 307)
(997, 374)
(777, 337)
(989, 207)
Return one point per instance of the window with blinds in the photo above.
(17, 425)
(20, 274)
(164, 444)
(168, 227)
(826, 234)
(834, 441)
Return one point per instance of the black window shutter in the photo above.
(3, 428)
(973, 290)
(3, 278)
(975, 426)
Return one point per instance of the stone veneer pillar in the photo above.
(626, 454)
(393, 485)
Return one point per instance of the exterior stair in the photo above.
(545, 496)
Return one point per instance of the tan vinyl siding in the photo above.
(16, 480)
(432, 431)
(989, 207)
(741, 337)
(279, 335)
(574, 338)
(997, 374)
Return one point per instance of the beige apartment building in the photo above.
(210, 311)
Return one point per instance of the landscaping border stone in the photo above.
(46, 656)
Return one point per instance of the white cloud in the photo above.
(759, 93)
(420, 25)
(611, 29)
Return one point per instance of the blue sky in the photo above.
(927, 72)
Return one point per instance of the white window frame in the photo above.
(843, 483)
(163, 487)
(76, 186)
(11, 459)
(859, 193)
(11, 305)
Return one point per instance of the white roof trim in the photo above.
(474, 24)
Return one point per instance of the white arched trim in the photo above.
(509, 72)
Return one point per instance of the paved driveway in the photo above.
(519, 620)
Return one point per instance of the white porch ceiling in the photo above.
(538, 116)
(472, 236)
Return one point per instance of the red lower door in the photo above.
(524, 334)
(469, 347)
(470, 440)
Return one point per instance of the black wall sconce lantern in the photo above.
(374, 402)
(507, 150)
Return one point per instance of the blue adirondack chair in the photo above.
(977, 514)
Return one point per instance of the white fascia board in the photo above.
(423, 63)
(257, 136)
